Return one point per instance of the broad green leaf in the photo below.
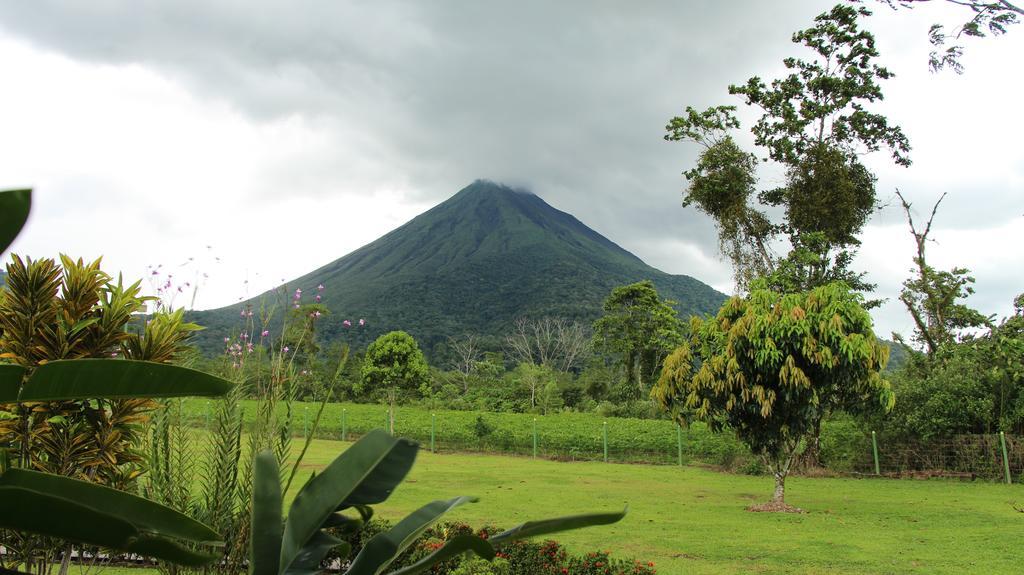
(382, 548)
(452, 548)
(14, 205)
(548, 526)
(10, 382)
(117, 378)
(307, 561)
(344, 524)
(266, 515)
(167, 550)
(25, 509)
(143, 514)
(383, 478)
(344, 477)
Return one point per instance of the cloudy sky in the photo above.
(254, 141)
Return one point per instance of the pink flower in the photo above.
(113, 354)
(286, 349)
(362, 322)
(316, 314)
(317, 298)
(346, 323)
(227, 339)
(320, 287)
(243, 313)
(265, 333)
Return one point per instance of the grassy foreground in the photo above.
(692, 520)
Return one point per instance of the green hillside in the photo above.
(473, 264)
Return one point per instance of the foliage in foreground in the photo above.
(66, 408)
(517, 558)
(340, 498)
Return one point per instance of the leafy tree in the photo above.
(769, 365)
(816, 124)
(973, 385)
(986, 18)
(640, 329)
(933, 297)
(534, 378)
(394, 364)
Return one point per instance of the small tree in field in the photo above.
(769, 365)
(394, 364)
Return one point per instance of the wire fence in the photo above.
(846, 449)
(993, 456)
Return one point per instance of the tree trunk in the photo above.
(780, 488)
(391, 411)
(65, 562)
(812, 455)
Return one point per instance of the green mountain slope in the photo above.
(473, 264)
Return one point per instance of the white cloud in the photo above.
(286, 138)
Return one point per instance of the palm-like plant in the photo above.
(68, 409)
(340, 497)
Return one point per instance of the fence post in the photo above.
(605, 441)
(874, 451)
(344, 425)
(432, 433)
(679, 443)
(535, 437)
(1006, 461)
(305, 421)
(387, 422)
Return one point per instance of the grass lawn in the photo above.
(692, 520)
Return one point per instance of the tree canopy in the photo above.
(816, 123)
(986, 18)
(394, 365)
(768, 365)
(640, 329)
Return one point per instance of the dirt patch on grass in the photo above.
(774, 507)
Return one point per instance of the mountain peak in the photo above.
(484, 186)
(473, 264)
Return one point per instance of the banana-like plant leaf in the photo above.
(548, 526)
(266, 515)
(117, 378)
(33, 511)
(382, 548)
(344, 477)
(452, 548)
(14, 205)
(10, 382)
(307, 562)
(344, 524)
(143, 514)
(383, 478)
(167, 550)
(24, 509)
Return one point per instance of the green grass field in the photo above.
(693, 520)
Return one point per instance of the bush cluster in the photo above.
(518, 558)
